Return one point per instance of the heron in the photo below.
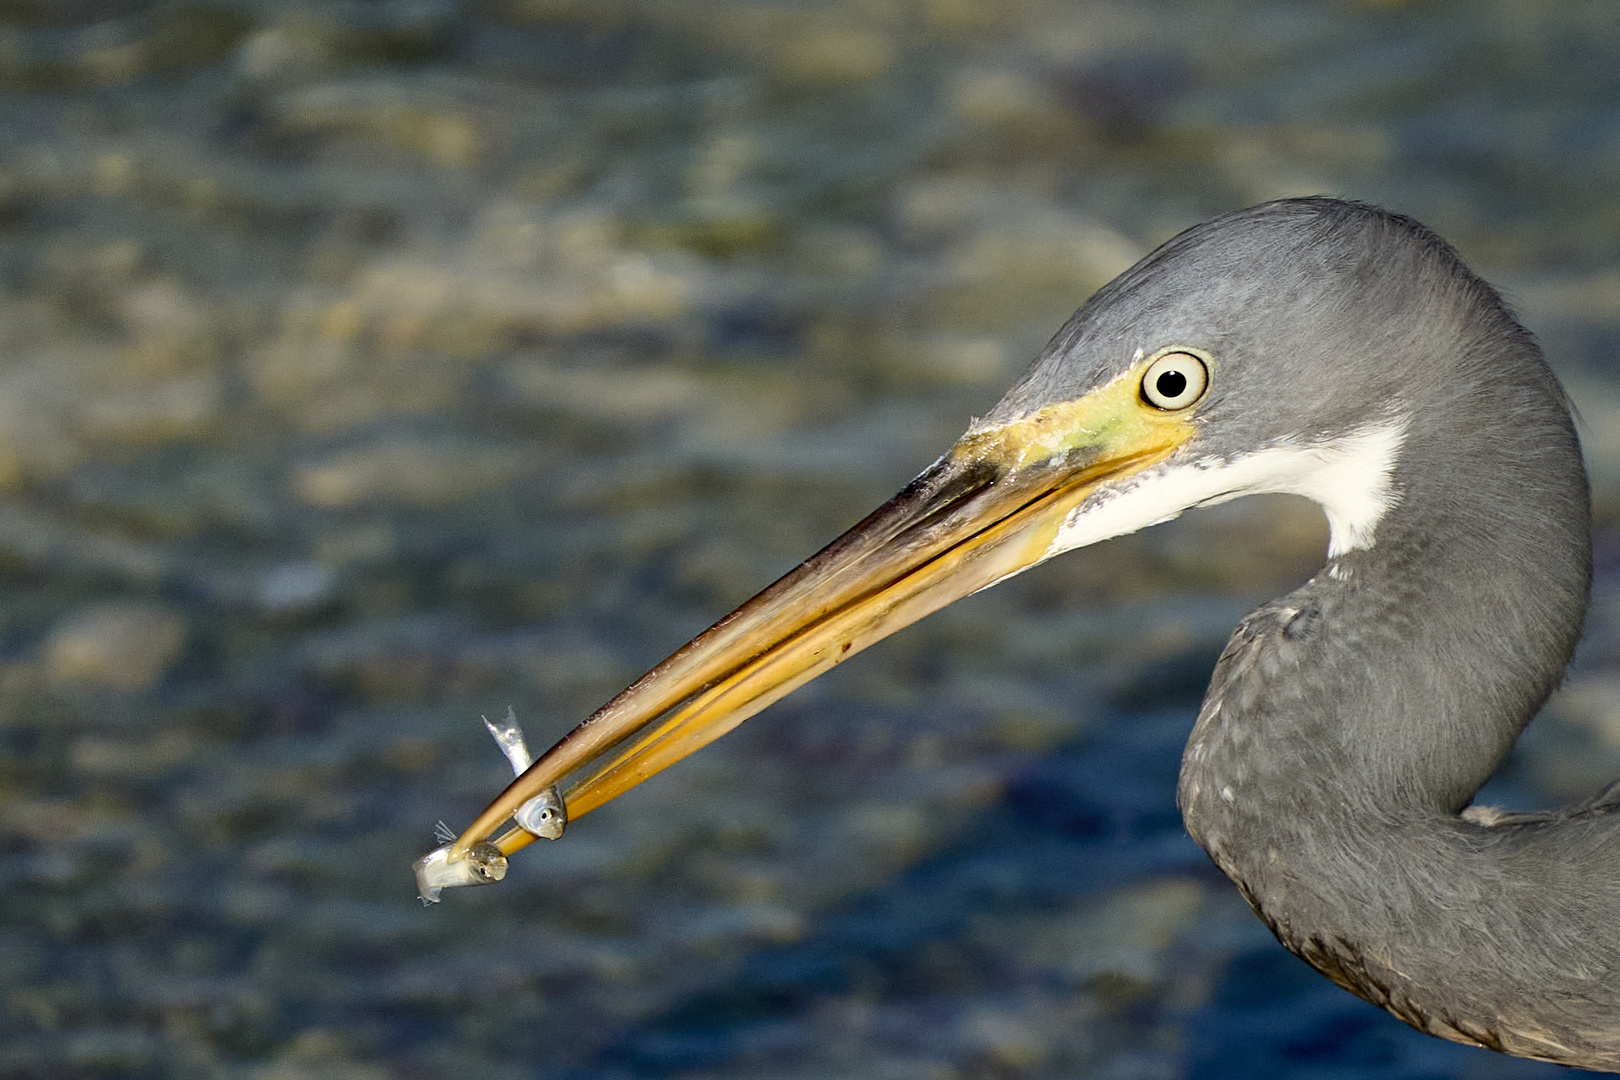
(1308, 346)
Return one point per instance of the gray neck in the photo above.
(1410, 666)
(1349, 722)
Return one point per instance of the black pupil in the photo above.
(1171, 384)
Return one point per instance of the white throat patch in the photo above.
(1349, 477)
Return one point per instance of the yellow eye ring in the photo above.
(1174, 381)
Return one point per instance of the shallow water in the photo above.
(368, 368)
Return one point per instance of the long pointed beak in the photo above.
(991, 507)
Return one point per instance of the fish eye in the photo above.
(1175, 381)
(486, 862)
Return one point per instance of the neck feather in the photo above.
(1349, 723)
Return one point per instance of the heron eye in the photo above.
(1175, 380)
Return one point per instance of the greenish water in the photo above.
(369, 367)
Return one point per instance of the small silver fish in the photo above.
(543, 816)
(509, 737)
(482, 865)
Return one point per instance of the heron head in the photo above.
(1270, 350)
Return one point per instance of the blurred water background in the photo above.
(366, 367)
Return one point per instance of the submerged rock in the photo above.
(124, 646)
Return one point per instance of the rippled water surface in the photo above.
(369, 367)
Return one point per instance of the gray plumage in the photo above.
(1349, 723)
